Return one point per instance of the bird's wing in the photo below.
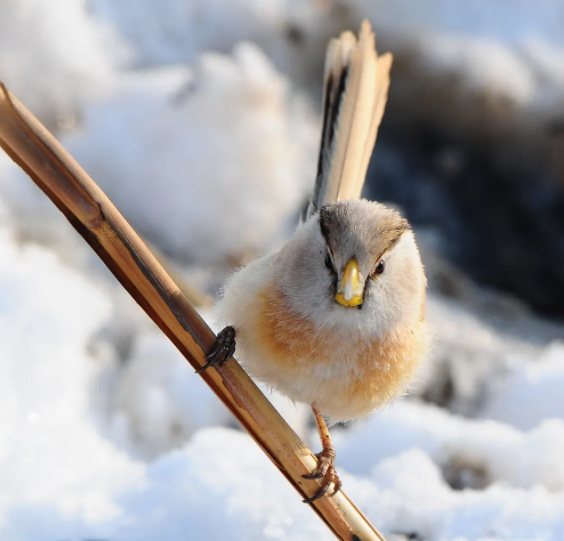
(356, 89)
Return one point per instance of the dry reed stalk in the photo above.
(94, 216)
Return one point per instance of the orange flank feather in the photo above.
(368, 375)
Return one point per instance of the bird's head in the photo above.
(355, 263)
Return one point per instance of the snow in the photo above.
(457, 443)
(508, 48)
(150, 163)
(183, 113)
(63, 470)
(207, 145)
(54, 56)
(538, 386)
(173, 31)
(471, 40)
(155, 396)
(158, 33)
(151, 402)
(51, 458)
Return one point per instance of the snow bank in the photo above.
(153, 402)
(221, 140)
(224, 151)
(531, 393)
(408, 496)
(104, 428)
(52, 461)
(462, 447)
(34, 218)
(221, 486)
(471, 40)
(512, 49)
(177, 31)
(53, 55)
(156, 401)
(404, 467)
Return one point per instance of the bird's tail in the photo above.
(355, 92)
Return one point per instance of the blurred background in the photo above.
(201, 122)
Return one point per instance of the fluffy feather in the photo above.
(291, 333)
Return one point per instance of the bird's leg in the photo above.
(326, 458)
(222, 350)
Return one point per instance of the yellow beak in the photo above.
(349, 289)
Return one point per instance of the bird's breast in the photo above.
(346, 374)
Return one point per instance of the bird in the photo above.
(336, 318)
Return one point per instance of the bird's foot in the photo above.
(326, 471)
(222, 350)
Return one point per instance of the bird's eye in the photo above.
(379, 268)
(329, 264)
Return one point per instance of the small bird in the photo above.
(335, 318)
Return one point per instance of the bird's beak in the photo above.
(350, 289)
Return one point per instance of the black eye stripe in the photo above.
(329, 263)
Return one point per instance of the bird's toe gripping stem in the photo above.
(326, 471)
(221, 351)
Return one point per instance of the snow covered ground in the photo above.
(105, 432)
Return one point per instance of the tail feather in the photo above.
(355, 94)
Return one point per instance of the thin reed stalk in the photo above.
(99, 222)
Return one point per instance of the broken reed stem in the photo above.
(94, 216)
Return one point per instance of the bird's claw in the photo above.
(325, 470)
(314, 475)
(221, 351)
